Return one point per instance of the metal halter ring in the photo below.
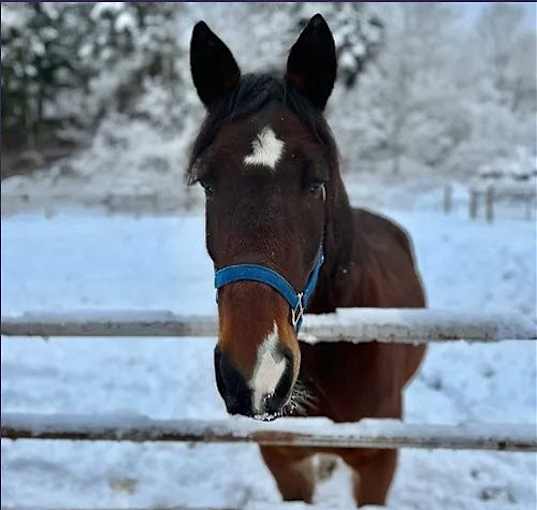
(298, 311)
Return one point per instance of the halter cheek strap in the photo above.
(298, 301)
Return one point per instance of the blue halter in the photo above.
(298, 301)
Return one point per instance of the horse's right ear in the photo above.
(214, 70)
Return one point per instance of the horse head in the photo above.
(268, 164)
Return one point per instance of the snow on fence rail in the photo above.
(311, 432)
(350, 325)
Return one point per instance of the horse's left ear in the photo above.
(215, 72)
(312, 63)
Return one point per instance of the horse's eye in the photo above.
(208, 186)
(317, 188)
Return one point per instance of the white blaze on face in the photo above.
(269, 369)
(266, 149)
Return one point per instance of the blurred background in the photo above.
(98, 105)
(434, 112)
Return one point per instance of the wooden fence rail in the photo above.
(349, 325)
(311, 432)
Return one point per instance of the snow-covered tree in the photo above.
(497, 84)
(39, 61)
(79, 61)
(414, 84)
(406, 103)
(442, 93)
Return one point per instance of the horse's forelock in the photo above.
(254, 93)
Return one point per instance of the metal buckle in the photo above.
(298, 311)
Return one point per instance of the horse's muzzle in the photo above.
(239, 396)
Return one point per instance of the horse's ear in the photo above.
(214, 70)
(312, 63)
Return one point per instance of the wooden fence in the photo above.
(354, 325)
(482, 195)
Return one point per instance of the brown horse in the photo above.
(269, 166)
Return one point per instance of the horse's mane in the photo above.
(256, 91)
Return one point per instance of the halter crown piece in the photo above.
(298, 301)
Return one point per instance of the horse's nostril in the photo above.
(231, 385)
(271, 404)
(232, 405)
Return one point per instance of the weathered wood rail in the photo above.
(311, 432)
(347, 325)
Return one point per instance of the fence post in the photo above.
(448, 194)
(489, 204)
(529, 206)
(473, 204)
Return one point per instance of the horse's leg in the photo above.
(292, 469)
(372, 476)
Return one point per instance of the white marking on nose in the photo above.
(266, 149)
(269, 369)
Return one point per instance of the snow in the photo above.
(415, 326)
(80, 261)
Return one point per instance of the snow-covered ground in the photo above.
(101, 262)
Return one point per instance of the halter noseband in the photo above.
(298, 301)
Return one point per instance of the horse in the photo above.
(278, 219)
